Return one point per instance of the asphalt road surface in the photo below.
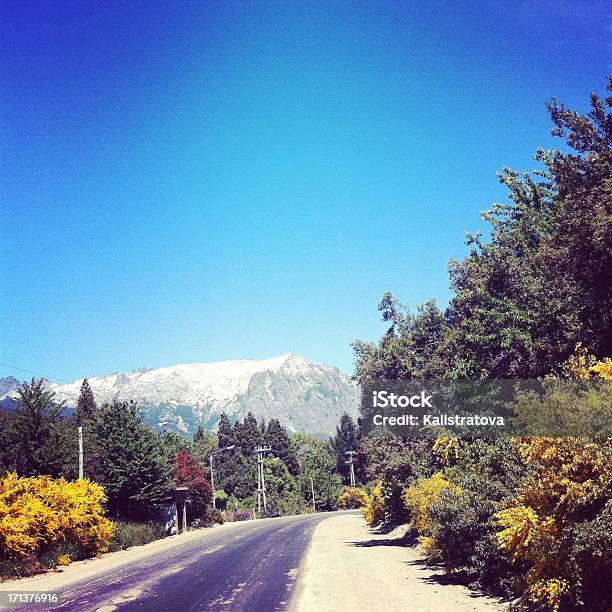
(252, 566)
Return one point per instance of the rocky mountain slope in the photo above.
(305, 396)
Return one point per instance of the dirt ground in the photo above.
(350, 567)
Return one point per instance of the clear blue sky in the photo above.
(191, 181)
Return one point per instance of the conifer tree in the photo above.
(126, 458)
(86, 405)
(282, 447)
(247, 435)
(344, 440)
(230, 465)
(225, 433)
(39, 442)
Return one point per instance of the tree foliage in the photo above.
(188, 473)
(39, 438)
(522, 301)
(346, 439)
(126, 458)
(317, 470)
(86, 404)
(539, 288)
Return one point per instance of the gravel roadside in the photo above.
(349, 567)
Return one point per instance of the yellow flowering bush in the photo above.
(447, 449)
(352, 497)
(603, 369)
(374, 509)
(63, 560)
(559, 521)
(583, 366)
(39, 513)
(419, 497)
(571, 481)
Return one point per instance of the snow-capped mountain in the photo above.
(305, 396)
(7, 385)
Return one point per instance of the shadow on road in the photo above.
(449, 578)
(409, 539)
(388, 527)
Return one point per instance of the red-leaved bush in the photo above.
(188, 473)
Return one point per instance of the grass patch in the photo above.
(128, 534)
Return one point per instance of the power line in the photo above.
(8, 365)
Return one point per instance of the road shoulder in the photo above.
(350, 567)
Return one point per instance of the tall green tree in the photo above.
(247, 435)
(345, 440)
(541, 283)
(86, 405)
(282, 490)
(204, 443)
(6, 454)
(317, 471)
(235, 473)
(225, 433)
(126, 458)
(410, 348)
(41, 441)
(278, 438)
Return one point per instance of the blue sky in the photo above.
(191, 181)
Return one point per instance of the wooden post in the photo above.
(180, 499)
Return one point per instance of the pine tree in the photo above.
(86, 406)
(247, 435)
(225, 433)
(230, 465)
(6, 419)
(282, 447)
(344, 440)
(126, 458)
(40, 441)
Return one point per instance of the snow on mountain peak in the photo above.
(305, 396)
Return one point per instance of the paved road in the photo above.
(250, 567)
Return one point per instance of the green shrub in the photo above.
(591, 558)
(465, 539)
(487, 473)
(129, 533)
(214, 517)
(21, 568)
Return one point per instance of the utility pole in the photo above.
(261, 479)
(80, 453)
(351, 454)
(212, 481)
(212, 475)
(314, 507)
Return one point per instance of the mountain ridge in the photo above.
(305, 396)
